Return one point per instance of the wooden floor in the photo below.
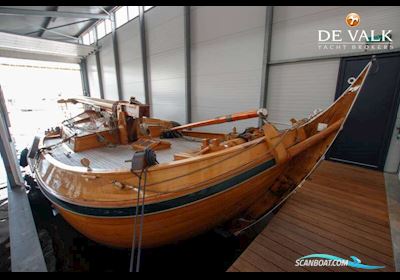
(340, 211)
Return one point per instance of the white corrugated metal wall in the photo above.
(227, 55)
(297, 89)
(166, 61)
(130, 54)
(93, 77)
(108, 68)
(393, 160)
(295, 36)
(310, 85)
(227, 52)
(295, 29)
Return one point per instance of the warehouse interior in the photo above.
(195, 63)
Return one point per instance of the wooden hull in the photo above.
(169, 218)
(179, 223)
(187, 197)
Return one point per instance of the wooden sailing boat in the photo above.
(202, 179)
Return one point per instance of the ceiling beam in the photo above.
(94, 22)
(104, 10)
(35, 56)
(59, 33)
(59, 26)
(19, 45)
(53, 14)
(86, 27)
(47, 22)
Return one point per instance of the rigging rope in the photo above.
(230, 156)
(300, 184)
(134, 226)
(141, 223)
(147, 159)
(57, 144)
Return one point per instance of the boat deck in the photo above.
(341, 211)
(115, 157)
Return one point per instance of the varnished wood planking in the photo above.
(325, 235)
(290, 248)
(260, 262)
(187, 220)
(312, 217)
(115, 157)
(323, 218)
(245, 265)
(290, 235)
(264, 250)
(359, 201)
(365, 218)
(342, 219)
(344, 185)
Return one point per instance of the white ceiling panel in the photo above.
(24, 45)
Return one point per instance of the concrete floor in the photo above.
(3, 221)
(5, 264)
(393, 200)
(3, 204)
(3, 181)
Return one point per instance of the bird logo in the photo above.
(353, 19)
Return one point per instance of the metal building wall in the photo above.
(166, 65)
(227, 55)
(295, 29)
(108, 68)
(93, 76)
(393, 157)
(295, 37)
(295, 89)
(131, 60)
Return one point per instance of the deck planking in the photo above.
(341, 210)
(115, 157)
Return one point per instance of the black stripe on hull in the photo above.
(163, 205)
